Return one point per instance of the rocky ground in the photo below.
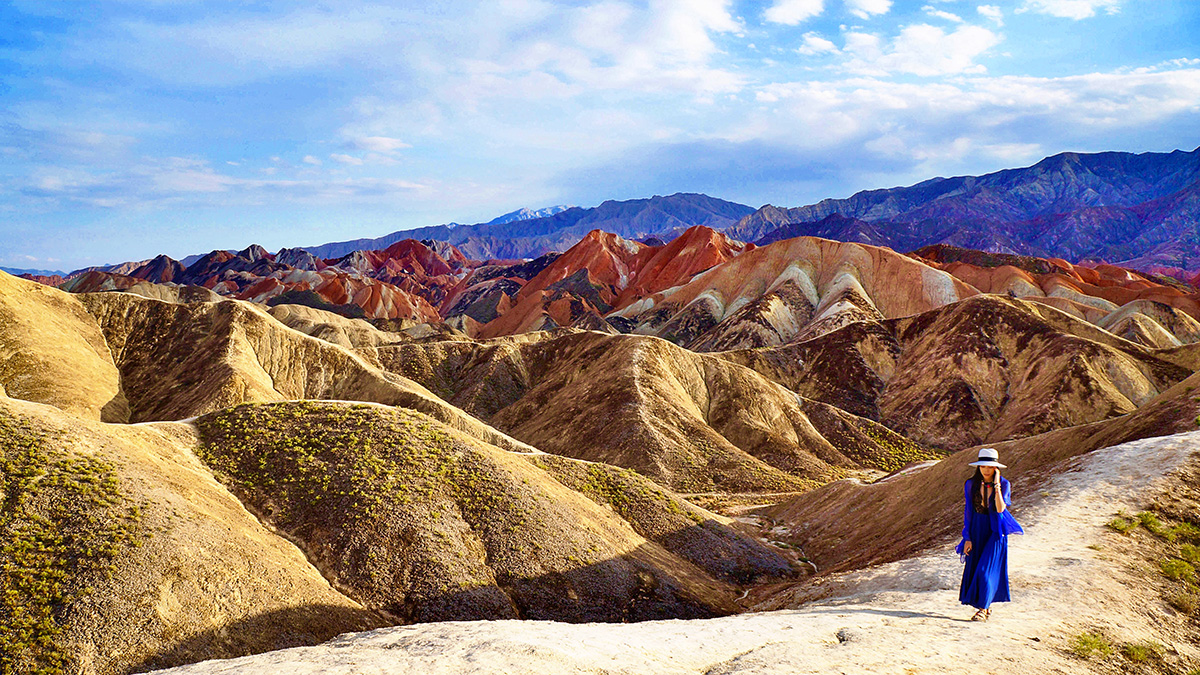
(1072, 576)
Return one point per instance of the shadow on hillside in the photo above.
(280, 629)
(642, 585)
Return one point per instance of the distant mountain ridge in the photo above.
(1138, 210)
(530, 238)
(17, 271)
(528, 214)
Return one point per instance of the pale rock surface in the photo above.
(901, 617)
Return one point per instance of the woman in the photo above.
(986, 526)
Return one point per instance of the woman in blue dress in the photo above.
(986, 526)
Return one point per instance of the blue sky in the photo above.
(135, 127)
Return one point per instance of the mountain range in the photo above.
(529, 234)
(1139, 211)
(673, 408)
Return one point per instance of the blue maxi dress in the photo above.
(985, 576)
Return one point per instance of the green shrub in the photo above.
(1185, 602)
(1187, 532)
(1190, 553)
(1177, 569)
(1122, 525)
(1085, 645)
(1139, 652)
(1155, 526)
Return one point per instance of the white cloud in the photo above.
(991, 12)
(1010, 118)
(380, 144)
(815, 44)
(1071, 9)
(865, 8)
(346, 159)
(920, 49)
(792, 12)
(179, 180)
(941, 14)
(309, 159)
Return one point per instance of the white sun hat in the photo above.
(989, 457)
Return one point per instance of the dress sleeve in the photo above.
(966, 531)
(1008, 524)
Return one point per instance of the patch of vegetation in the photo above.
(1177, 570)
(1122, 525)
(63, 520)
(1190, 553)
(1140, 652)
(898, 451)
(1185, 602)
(307, 455)
(1086, 645)
(1153, 525)
(1188, 532)
(629, 494)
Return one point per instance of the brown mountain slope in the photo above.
(121, 552)
(985, 369)
(847, 524)
(52, 351)
(1153, 310)
(691, 422)
(181, 360)
(426, 523)
(791, 290)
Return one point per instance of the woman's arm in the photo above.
(964, 546)
(1001, 487)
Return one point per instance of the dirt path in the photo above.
(898, 618)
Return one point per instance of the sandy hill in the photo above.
(985, 369)
(181, 360)
(1071, 576)
(425, 523)
(397, 517)
(847, 525)
(691, 422)
(122, 552)
(52, 351)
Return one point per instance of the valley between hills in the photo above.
(646, 412)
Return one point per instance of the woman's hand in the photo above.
(967, 547)
(1000, 505)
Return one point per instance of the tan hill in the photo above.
(691, 422)
(181, 360)
(121, 552)
(52, 351)
(1070, 576)
(399, 518)
(986, 369)
(426, 523)
(334, 328)
(848, 524)
(1148, 309)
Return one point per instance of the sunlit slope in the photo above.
(692, 422)
(120, 552)
(52, 351)
(985, 369)
(181, 360)
(848, 524)
(426, 523)
(792, 290)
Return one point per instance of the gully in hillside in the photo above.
(986, 526)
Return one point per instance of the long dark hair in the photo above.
(977, 493)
